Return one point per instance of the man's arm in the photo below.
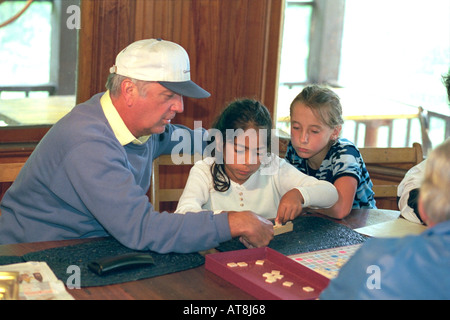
(253, 230)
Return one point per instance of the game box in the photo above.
(267, 274)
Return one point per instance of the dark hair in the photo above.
(239, 114)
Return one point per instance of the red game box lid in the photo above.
(289, 280)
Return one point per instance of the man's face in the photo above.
(155, 109)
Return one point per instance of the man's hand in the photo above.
(253, 230)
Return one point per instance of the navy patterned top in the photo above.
(343, 159)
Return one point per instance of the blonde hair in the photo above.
(325, 104)
(434, 190)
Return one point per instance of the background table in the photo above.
(35, 111)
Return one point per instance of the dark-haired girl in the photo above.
(244, 175)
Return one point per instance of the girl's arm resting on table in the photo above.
(346, 189)
(321, 194)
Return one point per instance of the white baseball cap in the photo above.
(159, 60)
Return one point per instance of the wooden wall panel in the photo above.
(233, 46)
(106, 28)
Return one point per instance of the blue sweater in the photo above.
(81, 182)
(413, 267)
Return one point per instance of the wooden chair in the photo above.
(175, 179)
(387, 167)
(8, 173)
(425, 128)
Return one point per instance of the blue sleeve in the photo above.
(103, 190)
(346, 162)
(364, 276)
(393, 268)
(351, 282)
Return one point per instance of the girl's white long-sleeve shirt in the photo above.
(261, 193)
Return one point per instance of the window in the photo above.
(294, 56)
(398, 51)
(38, 60)
(295, 51)
(25, 44)
(376, 55)
(310, 50)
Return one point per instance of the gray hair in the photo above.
(434, 190)
(115, 80)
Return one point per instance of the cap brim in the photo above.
(186, 88)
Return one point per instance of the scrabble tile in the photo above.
(259, 262)
(270, 280)
(279, 228)
(276, 272)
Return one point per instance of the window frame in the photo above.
(325, 41)
(63, 55)
(63, 68)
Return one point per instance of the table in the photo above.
(192, 284)
(35, 111)
(373, 111)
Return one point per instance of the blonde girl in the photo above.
(316, 150)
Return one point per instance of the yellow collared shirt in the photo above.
(118, 126)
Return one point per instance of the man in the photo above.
(89, 175)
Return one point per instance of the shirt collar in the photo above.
(118, 126)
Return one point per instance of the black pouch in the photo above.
(120, 262)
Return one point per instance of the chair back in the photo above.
(9, 171)
(169, 193)
(387, 168)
